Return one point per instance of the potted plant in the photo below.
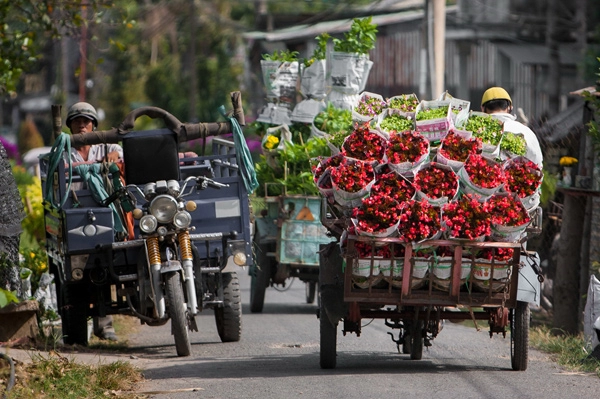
(352, 181)
(436, 183)
(350, 64)
(394, 185)
(482, 176)
(509, 218)
(406, 150)
(419, 221)
(523, 177)
(377, 216)
(364, 144)
(466, 218)
(455, 148)
(486, 128)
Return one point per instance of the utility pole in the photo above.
(83, 53)
(439, 43)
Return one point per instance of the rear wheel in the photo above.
(73, 307)
(416, 341)
(260, 278)
(178, 313)
(328, 341)
(229, 317)
(311, 290)
(519, 336)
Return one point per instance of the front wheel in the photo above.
(178, 313)
(73, 303)
(229, 316)
(519, 336)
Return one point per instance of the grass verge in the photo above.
(567, 350)
(56, 376)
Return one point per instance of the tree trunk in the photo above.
(566, 284)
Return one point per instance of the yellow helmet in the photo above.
(495, 93)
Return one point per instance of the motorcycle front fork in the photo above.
(185, 247)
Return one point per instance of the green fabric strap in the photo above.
(242, 153)
(92, 175)
(61, 144)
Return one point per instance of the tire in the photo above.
(73, 305)
(519, 336)
(177, 310)
(260, 279)
(328, 341)
(416, 342)
(311, 290)
(229, 317)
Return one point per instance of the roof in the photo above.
(538, 54)
(562, 124)
(304, 31)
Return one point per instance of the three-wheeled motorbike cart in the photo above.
(288, 232)
(160, 237)
(414, 294)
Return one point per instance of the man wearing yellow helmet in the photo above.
(497, 102)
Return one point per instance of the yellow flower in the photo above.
(568, 161)
(271, 142)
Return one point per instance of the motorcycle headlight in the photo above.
(182, 219)
(148, 223)
(163, 207)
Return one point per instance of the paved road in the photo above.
(278, 357)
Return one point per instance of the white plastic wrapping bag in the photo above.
(591, 314)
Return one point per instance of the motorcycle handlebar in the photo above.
(184, 131)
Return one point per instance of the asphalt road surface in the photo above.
(278, 357)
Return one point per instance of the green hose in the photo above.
(242, 153)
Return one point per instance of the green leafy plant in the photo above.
(320, 52)
(432, 113)
(282, 56)
(485, 127)
(360, 39)
(513, 143)
(333, 120)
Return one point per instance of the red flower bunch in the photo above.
(523, 177)
(386, 251)
(393, 185)
(364, 144)
(436, 181)
(506, 210)
(419, 221)
(458, 148)
(466, 218)
(365, 249)
(407, 146)
(498, 254)
(484, 172)
(352, 175)
(377, 213)
(331, 161)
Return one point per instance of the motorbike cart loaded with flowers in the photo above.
(431, 223)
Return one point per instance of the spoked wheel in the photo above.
(311, 290)
(178, 313)
(229, 317)
(328, 332)
(260, 278)
(519, 336)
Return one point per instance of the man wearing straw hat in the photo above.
(496, 101)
